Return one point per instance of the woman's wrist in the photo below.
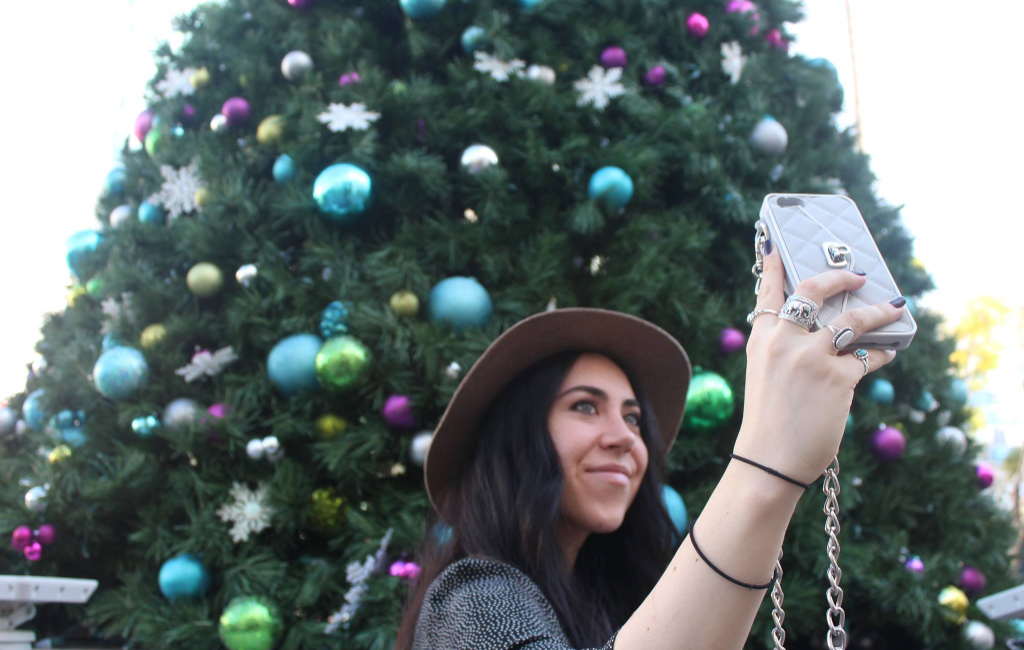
(772, 495)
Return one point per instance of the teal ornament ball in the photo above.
(151, 213)
(114, 184)
(611, 186)
(82, 254)
(473, 39)
(72, 436)
(284, 168)
(183, 577)
(881, 391)
(291, 364)
(146, 425)
(709, 402)
(530, 4)
(676, 509)
(120, 372)
(460, 302)
(334, 320)
(824, 64)
(250, 623)
(417, 9)
(110, 341)
(958, 391)
(32, 410)
(342, 192)
(68, 426)
(925, 401)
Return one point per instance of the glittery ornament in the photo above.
(83, 253)
(327, 510)
(334, 320)
(329, 426)
(250, 623)
(32, 410)
(181, 413)
(709, 401)
(956, 604)
(120, 373)
(343, 363)
(8, 420)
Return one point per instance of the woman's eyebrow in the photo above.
(597, 392)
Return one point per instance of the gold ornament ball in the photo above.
(270, 131)
(202, 197)
(917, 264)
(152, 335)
(204, 280)
(956, 603)
(59, 453)
(327, 510)
(404, 303)
(200, 78)
(75, 293)
(329, 426)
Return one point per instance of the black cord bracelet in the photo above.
(693, 540)
(770, 471)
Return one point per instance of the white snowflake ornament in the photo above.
(599, 87)
(341, 117)
(498, 69)
(357, 575)
(176, 82)
(206, 363)
(249, 511)
(178, 193)
(115, 312)
(733, 60)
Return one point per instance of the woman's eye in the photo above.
(636, 416)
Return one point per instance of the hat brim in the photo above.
(650, 353)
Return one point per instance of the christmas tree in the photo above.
(339, 205)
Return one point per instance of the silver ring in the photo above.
(754, 314)
(862, 354)
(842, 336)
(800, 310)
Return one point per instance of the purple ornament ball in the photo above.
(21, 538)
(219, 410)
(614, 57)
(188, 113)
(236, 110)
(412, 570)
(655, 76)
(731, 340)
(398, 412)
(888, 444)
(46, 534)
(915, 565)
(698, 25)
(985, 474)
(143, 123)
(34, 552)
(300, 4)
(348, 79)
(972, 580)
(774, 39)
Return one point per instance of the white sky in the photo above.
(940, 114)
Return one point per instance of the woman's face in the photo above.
(593, 427)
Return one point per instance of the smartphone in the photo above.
(815, 233)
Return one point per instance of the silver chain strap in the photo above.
(835, 638)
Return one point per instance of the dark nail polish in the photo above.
(859, 272)
(898, 302)
(767, 247)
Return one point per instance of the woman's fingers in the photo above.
(861, 320)
(823, 286)
(855, 367)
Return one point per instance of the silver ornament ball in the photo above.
(119, 215)
(271, 445)
(954, 437)
(453, 370)
(8, 420)
(181, 413)
(541, 73)
(246, 274)
(769, 137)
(296, 64)
(979, 635)
(254, 449)
(35, 499)
(21, 428)
(219, 123)
(419, 447)
(477, 158)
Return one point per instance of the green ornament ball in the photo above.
(251, 623)
(343, 363)
(709, 402)
(156, 142)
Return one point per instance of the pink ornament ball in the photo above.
(774, 38)
(219, 410)
(655, 77)
(985, 475)
(236, 110)
(348, 79)
(46, 534)
(397, 568)
(698, 25)
(21, 538)
(972, 580)
(300, 4)
(614, 57)
(188, 113)
(888, 444)
(745, 7)
(412, 571)
(143, 123)
(731, 340)
(915, 565)
(398, 412)
(34, 552)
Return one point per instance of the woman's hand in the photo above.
(798, 389)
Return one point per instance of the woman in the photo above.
(559, 538)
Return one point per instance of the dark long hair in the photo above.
(506, 505)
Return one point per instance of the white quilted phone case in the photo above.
(819, 232)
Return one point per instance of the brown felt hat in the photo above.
(648, 352)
